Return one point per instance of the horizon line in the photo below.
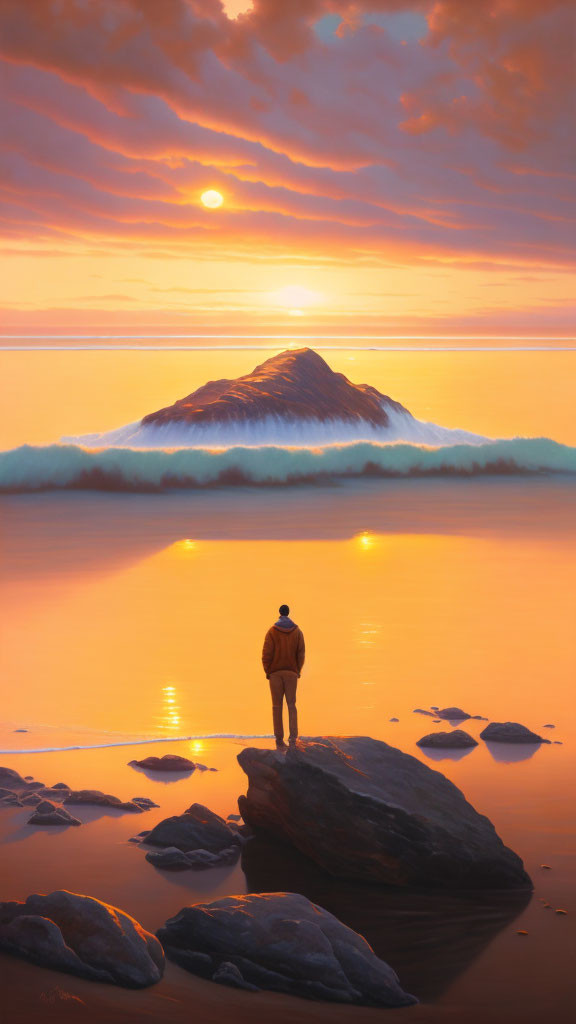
(267, 348)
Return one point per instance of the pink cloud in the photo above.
(117, 114)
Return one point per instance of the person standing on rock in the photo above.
(283, 657)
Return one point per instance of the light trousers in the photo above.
(284, 684)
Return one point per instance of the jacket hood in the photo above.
(285, 624)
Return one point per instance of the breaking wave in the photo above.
(278, 431)
(73, 467)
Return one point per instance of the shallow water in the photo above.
(131, 617)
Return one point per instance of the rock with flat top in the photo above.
(455, 740)
(510, 732)
(81, 935)
(363, 809)
(281, 942)
(197, 829)
(170, 763)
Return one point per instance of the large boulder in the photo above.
(455, 740)
(363, 809)
(83, 936)
(510, 732)
(197, 829)
(282, 942)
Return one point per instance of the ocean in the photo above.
(133, 619)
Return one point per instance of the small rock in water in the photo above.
(20, 730)
(458, 739)
(394, 719)
(420, 711)
(558, 743)
(562, 912)
(548, 726)
(170, 763)
(547, 906)
(510, 732)
(546, 867)
(10, 800)
(436, 720)
(197, 829)
(453, 714)
(47, 813)
(94, 798)
(172, 859)
(521, 933)
(435, 707)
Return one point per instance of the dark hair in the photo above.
(284, 609)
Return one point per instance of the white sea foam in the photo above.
(137, 743)
(277, 430)
(147, 470)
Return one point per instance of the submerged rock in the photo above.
(421, 711)
(451, 740)
(172, 859)
(281, 942)
(197, 829)
(47, 813)
(364, 810)
(83, 936)
(510, 732)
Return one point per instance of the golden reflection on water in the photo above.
(171, 712)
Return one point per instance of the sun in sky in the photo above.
(212, 199)
(295, 299)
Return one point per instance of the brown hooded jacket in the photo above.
(283, 647)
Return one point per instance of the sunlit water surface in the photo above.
(136, 617)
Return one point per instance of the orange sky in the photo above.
(386, 166)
